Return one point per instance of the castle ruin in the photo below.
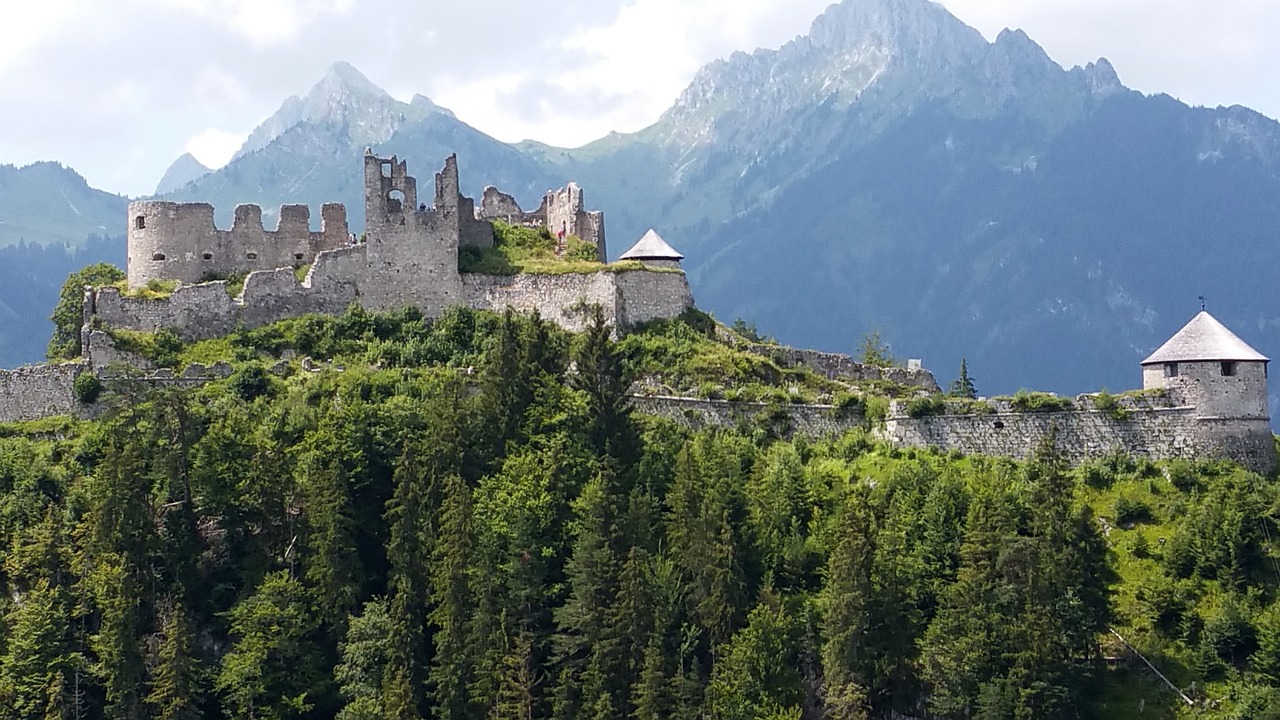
(1204, 396)
(407, 256)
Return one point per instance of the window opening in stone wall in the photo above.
(251, 255)
(1228, 369)
(207, 256)
(158, 256)
(1171, 370)
(999, 425)
(386, 169)
(140, 222)
(297, 256)
(395, 201)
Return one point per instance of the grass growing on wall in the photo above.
(518, 249)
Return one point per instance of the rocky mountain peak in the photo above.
(185, 169)
(903, 28)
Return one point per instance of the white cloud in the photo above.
(214, 147)
(118, 89)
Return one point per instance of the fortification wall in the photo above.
(562, 299)
(697, 413)
(207, 310)
(835, 366)
(1145, 430)
(179, 241)
(40, 391)
(646, 295)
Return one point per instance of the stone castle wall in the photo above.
(179, 241)
(697, 413)
(835, 366)
(1146, 428)
(562, 211)
(41, 391)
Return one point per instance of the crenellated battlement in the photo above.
(180, 241)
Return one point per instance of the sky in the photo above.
(118, 90)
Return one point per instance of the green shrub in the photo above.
(1129, 510)
(1024, 401)
(86, 388)
(1109, 405)
(926, 406)
(848, 405)
(250, 382)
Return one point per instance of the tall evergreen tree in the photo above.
(176, 684)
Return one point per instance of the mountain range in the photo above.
(891, 170)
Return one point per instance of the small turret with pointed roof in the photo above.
(1211, 368)
(653, 250)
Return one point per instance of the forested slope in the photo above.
(446, 521)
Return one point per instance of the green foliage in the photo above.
(163, 347)
(1108, 404)
(250, 382)
(875, 352)
(1032, 402)
(926, 406)
(463, 518)
(86, 388)
(68, 314)
(518, 249)
(271, 669)
(962, 386)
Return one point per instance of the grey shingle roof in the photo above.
(1204, 338)
(651, 247)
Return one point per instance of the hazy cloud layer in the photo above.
(118, 90)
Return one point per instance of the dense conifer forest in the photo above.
(464, 519)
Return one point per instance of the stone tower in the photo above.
(654, 251)
(1212, 370)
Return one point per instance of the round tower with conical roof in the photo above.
(1212, 370)
(652, 250)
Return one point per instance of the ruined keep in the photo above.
(1204, 396)
(407, 256)
(562, 212)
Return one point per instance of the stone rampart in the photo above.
(835, 366)
(179, 241)
(697, 413)
(562, 299)
(1141, 428)
(648, 294)
(40, 391)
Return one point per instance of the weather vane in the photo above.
(1202, 303)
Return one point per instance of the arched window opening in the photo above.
(158, 257)
(395, 201)
(140, 222)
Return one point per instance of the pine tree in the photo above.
(271, 670)
(600, 374)
(451, 598)
(847, 659)
(587, 653)
(962, 386)
(363, 660)
(176, 679)
(36, 658)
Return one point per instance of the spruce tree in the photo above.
(847, 599)
(451, 600)
(175, 688)
(962, 386)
